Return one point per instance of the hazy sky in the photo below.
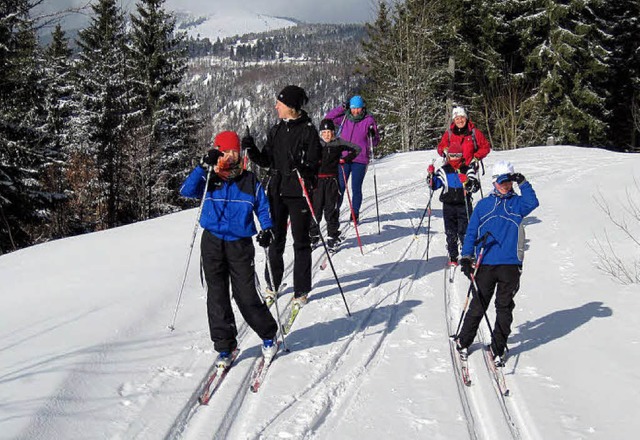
(313, 11)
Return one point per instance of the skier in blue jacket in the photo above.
(495, 227)
(227, 251)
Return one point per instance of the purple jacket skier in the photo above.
(356, 125)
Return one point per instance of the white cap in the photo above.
(458, 111)
(500, 168)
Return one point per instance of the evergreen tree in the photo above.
(619, 21)
(566, 65)
(23, 201)
(105, 117)
(58, 110)
(167, 125)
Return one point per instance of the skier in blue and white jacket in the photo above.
(227, 251)
(495, 227)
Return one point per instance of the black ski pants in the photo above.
(296, 209)
(456, 219)
(505, 281)
(225, 262)
(325, 201)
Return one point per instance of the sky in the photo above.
(326, 11)
(85, 351)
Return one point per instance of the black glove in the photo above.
(472, 185)
(517, 177)
(248, 142)
(466, 266)
(265, 237)
(372, 131)
(211, 158)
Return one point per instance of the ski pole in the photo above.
(375, 182)
(429, 227)
(270, 282)
(324, 244)
(476, 169)
(473, 277)
(193, 239)
(466, 202)
(353, 214)
(245, 159)
(426, 208)
(476, 292)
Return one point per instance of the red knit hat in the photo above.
(227, 140)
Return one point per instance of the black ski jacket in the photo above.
(332, 153)
(291, 144)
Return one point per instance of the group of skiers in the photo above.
(491, 236)
(303, 165)
(308, 171)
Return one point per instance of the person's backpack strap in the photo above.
(473, 136)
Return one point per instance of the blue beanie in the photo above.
(356, 102)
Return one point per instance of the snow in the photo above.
(86, 352)
(233, 20)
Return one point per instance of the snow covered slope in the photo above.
(227, 22)
(86, 353)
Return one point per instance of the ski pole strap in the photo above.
(482, 239)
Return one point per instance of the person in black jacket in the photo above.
(292, 147)
(326, 196)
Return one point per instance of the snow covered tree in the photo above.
(23, 201)
(58, 108)
(105, 116)
(406, 63)
(166, 125)
(619, 21)
(566, 62)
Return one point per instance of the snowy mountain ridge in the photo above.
(227, 22)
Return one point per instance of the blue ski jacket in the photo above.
(227, 211)
(501, 217)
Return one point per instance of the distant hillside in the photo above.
(235, 81)
(227, 22)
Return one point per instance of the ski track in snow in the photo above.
(308, 415)
(330, 385)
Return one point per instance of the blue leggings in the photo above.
(357, 172)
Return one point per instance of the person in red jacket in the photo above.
(463, 137)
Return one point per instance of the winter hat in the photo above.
(327, 124)
(356, 102)
(293, 96)
(500, 171)
(458, 111)
(227, 141)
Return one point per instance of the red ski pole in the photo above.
(313, 216)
